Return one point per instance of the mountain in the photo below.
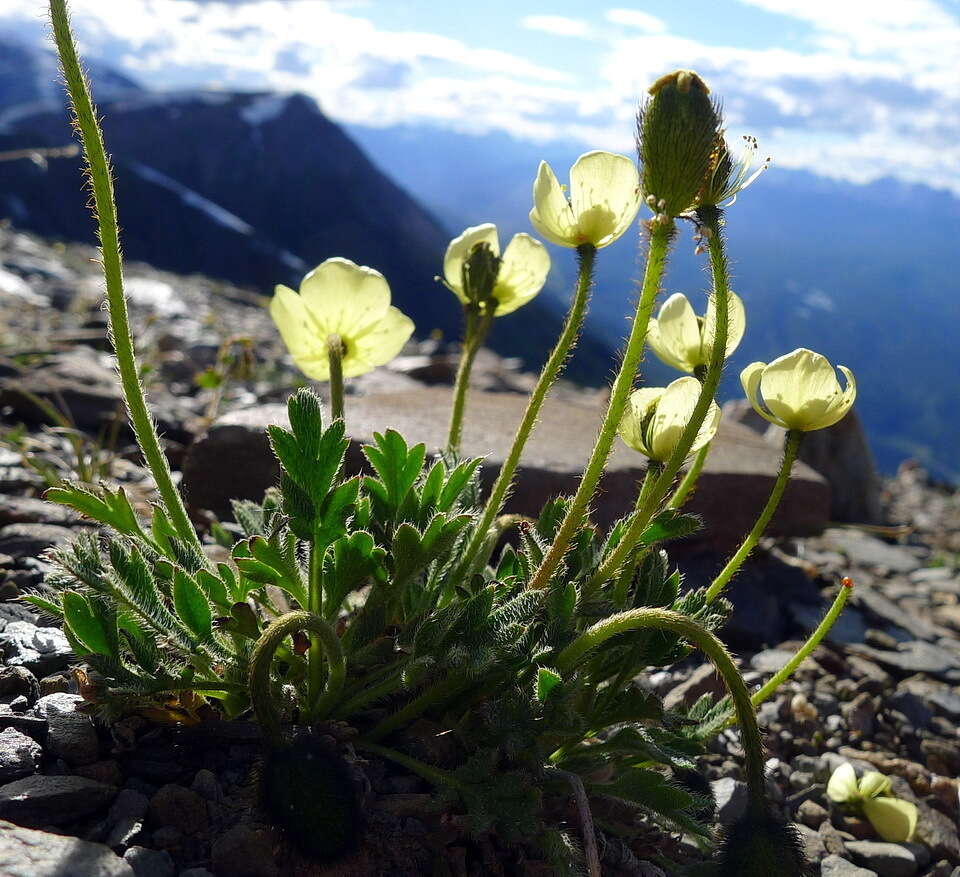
(860, 273)
(255, 189)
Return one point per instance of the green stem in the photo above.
(315, 606)
(712, 220)
(689, 480)
(101, 184)
(785, 672)
(660, 237)
(435, 694)
(568, 336)
(433, 775)
(335, 358)
(707, 642)
(369, 695)
(261, 659)
(790, 449)
(475, 333)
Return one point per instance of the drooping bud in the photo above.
(761, 844)
(678, 132)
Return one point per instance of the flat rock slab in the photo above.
(52, 800)
(28, 853)
(233, 459)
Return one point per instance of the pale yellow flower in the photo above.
(523, 267)
(344, 299)
(894, 819)
(683, 340)
(799, 390)
(604, 200)
(656, 417)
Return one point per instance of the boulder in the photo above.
(28, 853)
(233, 459)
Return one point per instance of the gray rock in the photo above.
(71, 734)
(916, 657)
(937, 831)
(814, 848)
(870, 551)
(941, 700)
(703, 680)
(244, 851)
(179, 808)
(233, 459)
(770, 660)
(125, 819)
(28, 853)
(20, 755)
(29, 540)
(33, 510)
(879, 607)
(890, 860)
(41, 650)
(196, 872)
(731, 797)
(834, 866)
(52, 800)
(851, 627)
(150, 863)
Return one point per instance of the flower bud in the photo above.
(760, 844)
(678, 131)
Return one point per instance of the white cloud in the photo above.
(556, 24)
(634, 18)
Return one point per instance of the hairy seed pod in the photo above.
(761, 844)
(678, 130)
(309, 792)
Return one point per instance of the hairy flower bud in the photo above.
(678, 131)
(760, 844)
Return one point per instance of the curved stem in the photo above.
(434, 775)
(335, 358)
(689, 481)
(660, 237)
(475, 333)
(790, 449)
(787, 670)
(549, 374)
(262, 658)
(101, 185)
(712, 220)
(716, 652)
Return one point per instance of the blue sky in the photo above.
(854, 89)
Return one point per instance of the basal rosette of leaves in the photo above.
(379, 600)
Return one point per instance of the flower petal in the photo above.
(345, 298)
(551, 214)
(290, 315)
(750, 379)
(800, 388)
(459, 249)
(674, 336)
(523, 272)
(894, 819)
(874, 783)
(604, 195)
(842, 786)
(379, 344)
(736, 325)
(673, 413)
(632, 428)
(842, 404)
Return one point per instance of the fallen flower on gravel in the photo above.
(894, 819)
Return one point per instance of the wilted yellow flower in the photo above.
(799, 390)
(656, 416)
(344, 299)
(894, 819)
(523, 267)
(683, 340)
(604, 200)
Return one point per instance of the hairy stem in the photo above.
(665, 619)
(790, 449)
(335, 358)
(549, 374)
(660, 236)
(435, 694)
(712, 219)
(261, 660)
(315, 655)
(101, 185)
(433, 775)
(475, 333)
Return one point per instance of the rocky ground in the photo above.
(78, 797)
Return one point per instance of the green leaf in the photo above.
(547, 681)
(414, 551)
(192, 605)
(349, 563)
(336, 511)
(457, 483)
(397, 468)
(670, 524)
(105, 506)
(87, 626)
